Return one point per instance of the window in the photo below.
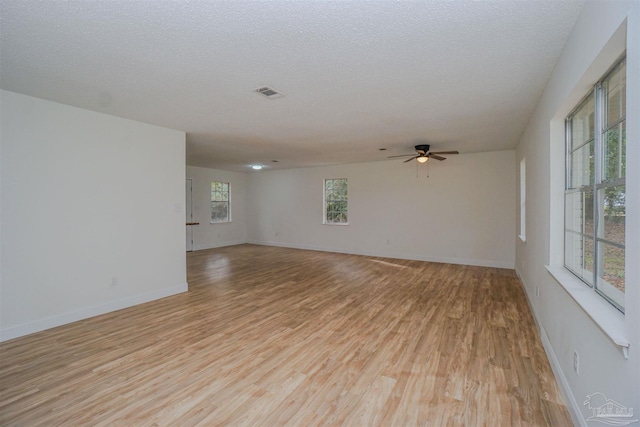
(220, 202)
(595, 187)
(523, 200)
(335, 201)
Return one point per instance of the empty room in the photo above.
(344, 213)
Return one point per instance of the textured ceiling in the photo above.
(357, 76)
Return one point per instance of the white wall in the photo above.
(207, 235)
(463, 213)
(86, 198)
(565, 327)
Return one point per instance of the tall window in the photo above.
(220, 202)
(595, 187)
(335, 201)
(523, 199)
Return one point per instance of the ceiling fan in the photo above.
(424, 154)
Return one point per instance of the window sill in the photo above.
(335, 223)
(608, 319)
(220, 222)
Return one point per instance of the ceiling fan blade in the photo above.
(435, 156)
(444, 152)
(408, 160)
(401, 155)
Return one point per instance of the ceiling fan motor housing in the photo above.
(422, 147)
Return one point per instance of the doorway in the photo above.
(189, 219)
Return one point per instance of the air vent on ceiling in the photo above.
(268, 92)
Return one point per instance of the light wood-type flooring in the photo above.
(271, 336)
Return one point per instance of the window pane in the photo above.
(219, 193)
(615, 152)
(623, 149)
(336, 189)
(578, 255)
(582, 166)
(589, 226)
(589, 257)
(335, 196)
(582, 124)
(611, 272)
(613, 213)
(579, 212)
(219, 211)
(615, 89)
(573, 212)
(330, 206)
(573, 251)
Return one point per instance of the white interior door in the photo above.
(189, 218)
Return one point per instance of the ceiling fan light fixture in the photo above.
(423, 154)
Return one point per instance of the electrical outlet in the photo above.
(114, 281)
(576, 362)
(538, 291)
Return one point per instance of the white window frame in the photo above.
(330, 197)
(523, 200)
(609, 320)
(594, 236)
(228, 201)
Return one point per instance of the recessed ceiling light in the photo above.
(274, 161)
(382, 149)
(256, 167)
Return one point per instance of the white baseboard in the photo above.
(394, 255)
(565, 390)
(217, 245)
(85, 313)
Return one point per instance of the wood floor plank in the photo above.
(272, 336)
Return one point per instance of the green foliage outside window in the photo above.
(336, 201)
(220, 199)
